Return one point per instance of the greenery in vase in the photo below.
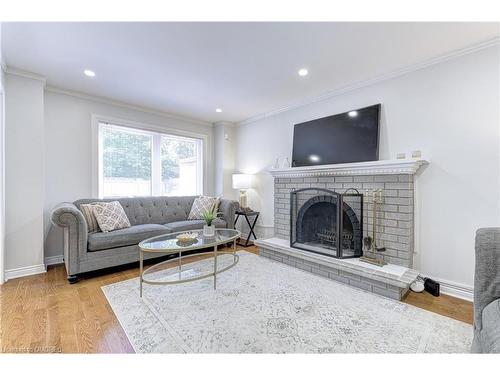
(210, 215)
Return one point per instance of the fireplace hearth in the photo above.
(327, 222)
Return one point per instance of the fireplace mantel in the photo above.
(379, 167)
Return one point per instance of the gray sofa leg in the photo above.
(72, 279)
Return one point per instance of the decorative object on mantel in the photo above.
(371, 246)
(276, 164)
(286, 163)
(378, 167)
(400, 155)
(242, 182)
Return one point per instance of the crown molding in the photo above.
(23, 73)
(381, 78)
(100, 99)
(353, 169)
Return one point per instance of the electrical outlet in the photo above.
(417, 154)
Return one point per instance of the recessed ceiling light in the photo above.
(303, 72)
(89, 73)
(218, 110)
(353, 114)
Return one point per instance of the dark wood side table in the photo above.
(247, 214)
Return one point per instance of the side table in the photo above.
(246, 215)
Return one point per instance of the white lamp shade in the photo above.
(242, 181)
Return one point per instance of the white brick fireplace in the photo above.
(394, 230)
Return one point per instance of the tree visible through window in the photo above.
(178, 165)
(141, 163)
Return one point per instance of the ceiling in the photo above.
(246, 69)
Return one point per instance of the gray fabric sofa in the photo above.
(149, 217)
(487, 292)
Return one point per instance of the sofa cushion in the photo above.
(124, 237)
(179, 226)
(490, 333)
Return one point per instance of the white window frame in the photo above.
(156, 132)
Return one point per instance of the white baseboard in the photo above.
(25, 271)
(454, 289)
(56, 259)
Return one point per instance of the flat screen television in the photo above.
(344, 138)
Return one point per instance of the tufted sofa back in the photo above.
(150, 210)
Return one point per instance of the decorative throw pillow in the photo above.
(200, 205)
(110, 216)
(88, 214)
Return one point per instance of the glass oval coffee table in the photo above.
(169, 244)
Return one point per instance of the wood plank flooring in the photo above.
(44, 313)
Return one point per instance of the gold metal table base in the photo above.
(215, 272)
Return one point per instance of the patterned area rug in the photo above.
(262, 306)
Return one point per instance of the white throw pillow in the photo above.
(202, 204)
(110, 216)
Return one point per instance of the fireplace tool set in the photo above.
(370, 243)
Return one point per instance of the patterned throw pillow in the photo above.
(202, 204)
(110, 216)
(88, 214)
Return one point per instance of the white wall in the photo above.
(219, 146)
(68, 150)
(224, 150)
(2, 158)
(450, 111)
(2, 172)
(24, 172)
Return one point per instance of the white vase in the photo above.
(209, 230)
(286, 163)
(276, 164)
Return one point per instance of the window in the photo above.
(134, 162)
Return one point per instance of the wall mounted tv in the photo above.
(344, 138)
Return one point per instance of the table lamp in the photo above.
(243, 182)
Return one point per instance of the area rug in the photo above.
(263, 306)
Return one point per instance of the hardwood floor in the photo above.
(44, 313)
(451, 307)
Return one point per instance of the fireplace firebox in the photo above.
(326, 222)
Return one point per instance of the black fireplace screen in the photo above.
(327, 222)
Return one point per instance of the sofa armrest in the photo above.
(228, 209)
(71, 219)
(487, 272)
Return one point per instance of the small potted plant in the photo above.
(209, 216)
